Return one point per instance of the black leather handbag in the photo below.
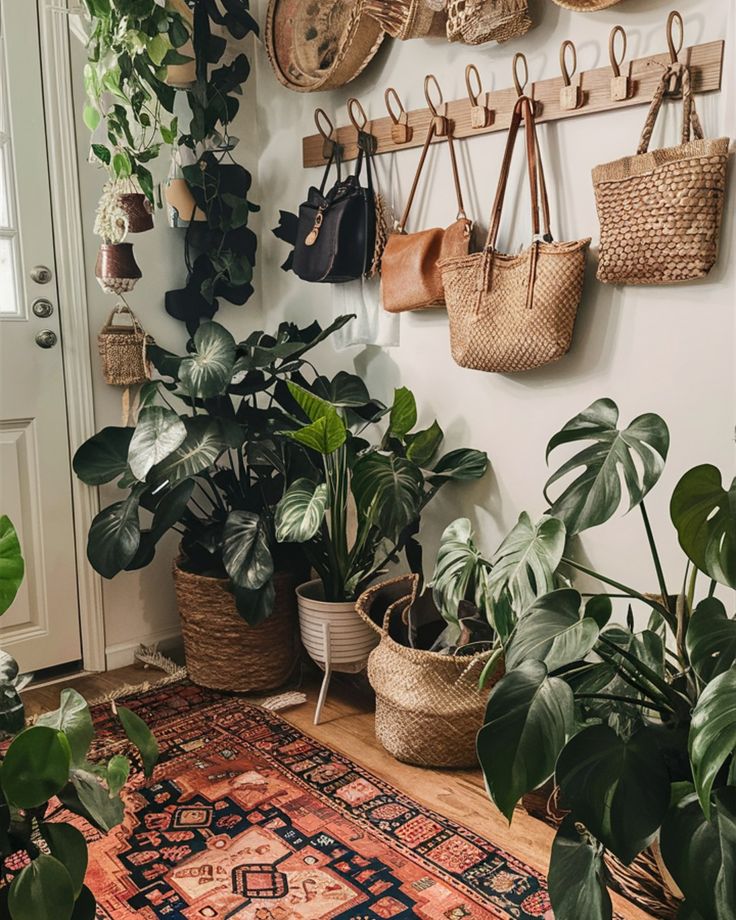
(336, 232)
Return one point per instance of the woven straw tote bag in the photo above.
(123, 349)
(660, 211)
(477, 21)
(515, 312)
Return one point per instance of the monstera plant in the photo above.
(637, 727)
(206, 460)
(389, 481)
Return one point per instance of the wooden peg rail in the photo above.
(706, 64)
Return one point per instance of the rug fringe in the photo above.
(280, 700)
(150, 655)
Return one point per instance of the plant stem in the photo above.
(655, 556)
(712, 588)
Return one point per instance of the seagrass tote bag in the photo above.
(515, 312)
(660, 211)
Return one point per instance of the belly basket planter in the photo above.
(428, 705)
(222, 651)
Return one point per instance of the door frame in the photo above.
(61, 146)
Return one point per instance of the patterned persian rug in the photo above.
(248, 818)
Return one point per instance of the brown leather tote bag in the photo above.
(410, 276)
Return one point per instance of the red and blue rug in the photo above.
(248, 818)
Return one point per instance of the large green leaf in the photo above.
(387, 491)
(85, 907)
(255, 606)
(313, 406)
(117, 773)
(104, 456)
(74, 719)
(423, 445)
(202, 446)
(712, 738)
(345, 390)
(36, 766)
(324, 435)
(459, 465)
(457, 569)
(711, 639)
(526, 562)
(553, 631)
(704, 514)
(12, 567)
(141, 736)
(577, 876)
(300, 512)
(403, 415)
(636, 454)
(208, 370)
(68, 845)
(245, 552)
(43, 890)
(158, 433)
(725, 800)
(89, 797)
(619, 789)
(114, 536)
(528, 720)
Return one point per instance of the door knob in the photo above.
(46, 338)
(41, 274)
(42, 307)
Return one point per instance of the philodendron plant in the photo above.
(205, 460)
(45, 770)
(638, 728)
(390, 482)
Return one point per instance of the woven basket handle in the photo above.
(119, 310)
(431, 131)
(689, 114)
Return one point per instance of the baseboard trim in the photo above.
(123, 654)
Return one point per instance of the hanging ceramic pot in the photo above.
(181, 208)
(116, 270)
(138, 211)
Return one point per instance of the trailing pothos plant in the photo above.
(45, 771)
(220, 251)
(205, 460)
(390, 482)
(637, 727)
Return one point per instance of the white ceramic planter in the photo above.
(333, 634)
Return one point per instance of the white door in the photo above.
(41, 629)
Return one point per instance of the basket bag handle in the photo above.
(118, 310)
(690, 116)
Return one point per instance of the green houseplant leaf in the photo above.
(158, 433)
(141, 736)
(245, 551)
(458, 561)
(528, 720)
(618, 789)
(12, 567)
(87, 796)
(209, 369)
(636, 453)
(325, 435)
(459, 465)
(711, 639)
(526, 562)
(712, 738)
(577, 877)
(387, 490)
(423, 445)
(704, 514)
(74, 719)
(300, 512)
(403, 415)
(202, 446)
(68, 845)
(36, 766)
(104, 456)
(43, 890)
(114, 536)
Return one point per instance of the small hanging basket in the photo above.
(123, 350)
(405, 19)
(475, 22)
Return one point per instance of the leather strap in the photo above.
(524, 109)
(431, 131)
(337, 160)
(690, 116)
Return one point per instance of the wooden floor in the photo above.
(347, 726)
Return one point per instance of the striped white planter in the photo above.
(333, 634)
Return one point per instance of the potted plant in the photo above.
(205, 460)
(637, 727)
(387, 484)
(116, 269)
(44, 861)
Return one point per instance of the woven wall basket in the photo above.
(475, 22)
(428, 706)
(319, 44)
(405, 19)
(123, 350)
(222, 651)
(586, 6)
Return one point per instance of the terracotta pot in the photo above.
(138, 211)
(116, 270)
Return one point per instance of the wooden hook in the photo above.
(439, 108)
(353, 104)
(570, 95)
(675, 84)
(401, 133)
(480, 115)
(620, 84)
(328, 140)
(518, 85)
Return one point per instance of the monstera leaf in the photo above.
(387, 491)
(158, 433)
(704, 514)
(12, 566)
(526, 562)
(114, 536)
(636, 454)
(200, 448)
(577, 876)
(458, 565)
(208, 371)
(300, 512)
(711, 639)
(245, 550)
(104, 456)
(712, 739)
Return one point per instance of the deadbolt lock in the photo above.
(41, 274)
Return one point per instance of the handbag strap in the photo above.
(118, 310)
(431, 132)
(524, 109)
(337, 160)
(690, 116)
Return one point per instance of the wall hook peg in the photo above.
(359, 120)
(401, 132)
(325, 127)
(571, 96)
(675, 49)
(437, 108)
(481, 116)
(620, 83)
(519, 84)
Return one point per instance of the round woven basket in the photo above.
(586, 6)
(428, 706)
(222, 651)
(319, 44)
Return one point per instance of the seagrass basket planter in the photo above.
(222, 651)
(428, 705)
